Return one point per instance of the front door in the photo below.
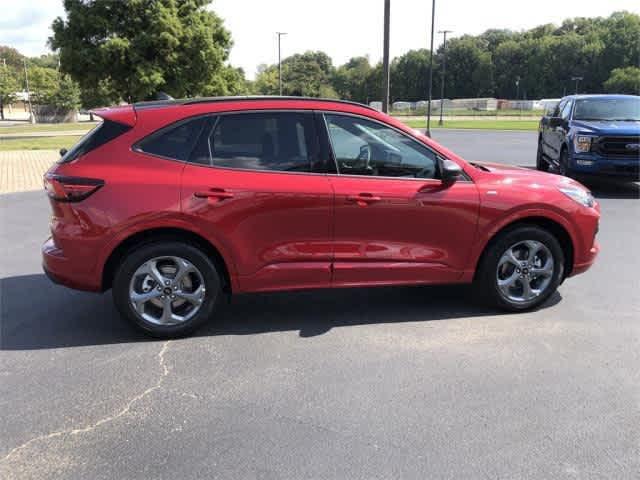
(395, 221)
(249, 186)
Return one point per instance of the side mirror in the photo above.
(554, 121)
(63, 152)
(450, 171)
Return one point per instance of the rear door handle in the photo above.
(363, 199)
(219, 193)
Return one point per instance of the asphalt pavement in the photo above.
(363, 383)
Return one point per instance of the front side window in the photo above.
(566, 111)
(364, 147)
(281, 141)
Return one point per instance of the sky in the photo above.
(341, 28)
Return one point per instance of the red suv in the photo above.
(172, 203)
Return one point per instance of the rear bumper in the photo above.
(61, 270)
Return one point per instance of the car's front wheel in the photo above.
(166, 289)
(521, 269)
(541, 163)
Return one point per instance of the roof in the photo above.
(600, 95)
(194, 101)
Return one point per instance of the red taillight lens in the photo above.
(70, 189)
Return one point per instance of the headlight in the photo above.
(582, 143)
(583, 197)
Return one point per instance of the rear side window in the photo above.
(280, 141)
(176, 141)
(101, 134)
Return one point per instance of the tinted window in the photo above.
(566, 110)
(175, 141)
(258, 141)
(608, 108)
(559, 107)
(363, 147)
(104, 132)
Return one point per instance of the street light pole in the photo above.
(385, 57)
(577, 80)
(280, 34)
(32, 117)
(444, 69)
(433, 21)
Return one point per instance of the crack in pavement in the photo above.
(102, 421)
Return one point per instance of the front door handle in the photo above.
(219, 193)
(363, 199)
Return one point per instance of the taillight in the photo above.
(70, 189)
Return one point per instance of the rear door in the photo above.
(395, 220)
(254, 186)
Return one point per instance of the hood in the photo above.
(512, 175)
(607, 127)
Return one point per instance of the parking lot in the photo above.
(416, 382)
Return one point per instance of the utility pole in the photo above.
(577, 80)
(280, 34)
(444, 69)
(433, 21)
(385, 57)
(32, 117)
(518, 88)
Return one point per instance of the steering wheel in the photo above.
(365, 156)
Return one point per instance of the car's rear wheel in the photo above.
(541, 163)
(521, 269)
(166, 289)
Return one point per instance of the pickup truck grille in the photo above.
(616, 147)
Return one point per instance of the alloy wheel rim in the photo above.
(167, 290)
(525, 271)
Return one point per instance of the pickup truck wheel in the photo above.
(563, 164)
(541, 163)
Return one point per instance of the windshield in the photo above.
(622, 109)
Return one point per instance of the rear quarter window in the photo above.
(104, 132)
(175, 141)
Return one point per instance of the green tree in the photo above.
(132, 50)
(350, 80)
(9, 86)
(266, 82)
(624, 80)
(306, 74)
(410, 76)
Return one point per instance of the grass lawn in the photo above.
(477, 124)
(48, 127)
(42, 143)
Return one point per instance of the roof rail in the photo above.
(194, 101)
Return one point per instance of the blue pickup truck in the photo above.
(592, 135)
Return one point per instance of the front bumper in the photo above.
(596, 164)
(586, 262)
(62, 270)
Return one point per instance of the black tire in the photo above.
(143, 254)
(486, 280)
(563, 163)
(541, 163)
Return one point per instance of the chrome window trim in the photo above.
(465, 179)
